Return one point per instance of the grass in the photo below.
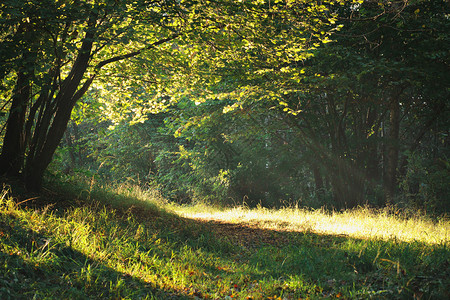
(80, 242)
(362, 222)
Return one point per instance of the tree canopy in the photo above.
(338, 103)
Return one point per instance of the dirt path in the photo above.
(246, 235)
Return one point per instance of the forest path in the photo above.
(253, 233)
(248, 235)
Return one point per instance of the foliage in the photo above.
(425, 185)
(239, 101)
(77, 43)
(345, 112)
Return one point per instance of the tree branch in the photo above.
(132, 54)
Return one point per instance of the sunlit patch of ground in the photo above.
(363, 222)
(358, 223)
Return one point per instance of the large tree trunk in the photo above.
(50, 133)
(14, 143)
(13, 150)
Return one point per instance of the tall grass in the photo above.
(362, 222)
(86, 242)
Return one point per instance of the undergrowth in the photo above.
(79, 242)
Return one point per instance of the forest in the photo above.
(124, 116)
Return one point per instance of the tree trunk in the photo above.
(44, 146)
(371, 152)
(318, 182)
(13, 151)
(392, 152)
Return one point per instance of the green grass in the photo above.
(124, 243)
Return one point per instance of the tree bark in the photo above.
(13, 150)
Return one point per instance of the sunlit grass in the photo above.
(127, 243)
(363, 222)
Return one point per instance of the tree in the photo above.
(347, 101)
(257, 57)
(78, 42)
(56, 50)
(386, 68)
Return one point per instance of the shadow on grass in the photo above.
(32, 267)
(325, 265)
